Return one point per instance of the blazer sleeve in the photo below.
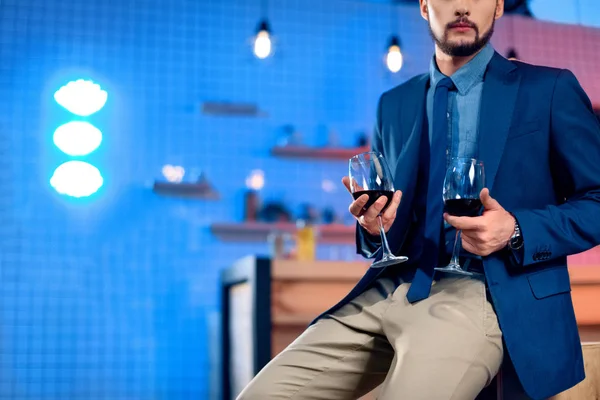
(573, 225)
(369, 245)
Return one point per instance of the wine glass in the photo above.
(465, 178)
(369, 174)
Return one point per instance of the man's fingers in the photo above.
(351, 184)
(346, 182)
(487, 201)
(464, 223)
(356, 207)
(369, 216)
(375, 209)
(467, 244)
(391, 210)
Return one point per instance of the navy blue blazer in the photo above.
(540, 143)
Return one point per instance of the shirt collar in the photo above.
(468, 75)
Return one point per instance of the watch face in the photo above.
(516, 242)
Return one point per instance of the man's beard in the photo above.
(462, 49)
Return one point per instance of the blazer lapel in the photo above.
(413, 125)
(413, 128)
(499, 96)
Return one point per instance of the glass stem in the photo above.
(454, 260)
(384, 243)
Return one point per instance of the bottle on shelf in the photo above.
(306, 241)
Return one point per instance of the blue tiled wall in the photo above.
(115, 297)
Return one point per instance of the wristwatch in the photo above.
(516, 240)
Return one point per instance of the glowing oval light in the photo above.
(81, 97)
(77, 138)
(76, 179)
(394, 59)
(262, 45)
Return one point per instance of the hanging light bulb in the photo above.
(262, 42)
(512, 54)
(394, 59)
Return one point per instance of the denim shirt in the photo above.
(463, 111)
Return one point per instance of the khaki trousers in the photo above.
(448, 346)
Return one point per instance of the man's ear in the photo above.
(499, 8)
(424, 9)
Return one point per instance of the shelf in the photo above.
(189, 190)
(332, 153)
(258, 232)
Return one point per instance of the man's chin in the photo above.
(460, 42)
(463, 50)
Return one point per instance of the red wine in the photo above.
(373, 196)
(463, 207)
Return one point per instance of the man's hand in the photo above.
(368, 218)
(488, 233)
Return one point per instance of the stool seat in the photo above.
(589, 388)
